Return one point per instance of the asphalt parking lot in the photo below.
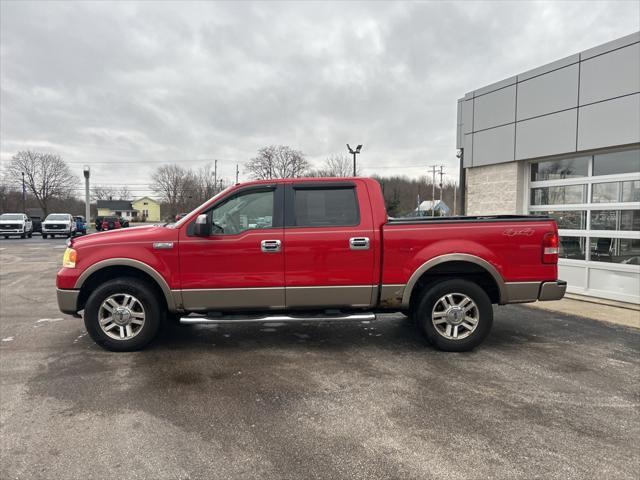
(547, 396)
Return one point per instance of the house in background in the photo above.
(441, 209)
(117, 208)
(147, 208)
(143, 209)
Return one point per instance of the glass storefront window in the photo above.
(631, 191)
(604, 219)
(570, 219)
(560, 195)
(617, 162)
(605, 192)
(615, 250)
(624, 220)
(630, 220)
(572, 247)
(560, 169)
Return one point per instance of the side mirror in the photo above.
(202, 227)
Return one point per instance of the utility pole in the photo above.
(237, 173)
(215, 175)
(441, 175)
(220, 185)
(354, 153)
(455, 194)
(24, 196)
(87, 199)
(433, 191)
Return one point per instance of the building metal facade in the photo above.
(563, 139)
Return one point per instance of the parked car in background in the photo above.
(81, 225)
(124, 223)
(37, 223)
(180, 216)
(61, 224)
(14, 224)
(110, 223)
(98, 223)
(247, 251)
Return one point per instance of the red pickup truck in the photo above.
(308, 250)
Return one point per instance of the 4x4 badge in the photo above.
(513, 232)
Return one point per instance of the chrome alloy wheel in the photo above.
(455, 316)
(121, 316)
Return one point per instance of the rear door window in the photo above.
(319, 207)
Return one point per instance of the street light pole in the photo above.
(87, 199)
(24, 196)
(354, 153)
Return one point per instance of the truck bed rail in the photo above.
(464, 219)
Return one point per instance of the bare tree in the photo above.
(206, 183)
(46, 175)
(277, 161)
(175, 186)
(102, 193)
(124, 193)
(336, 166)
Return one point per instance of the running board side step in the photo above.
(276, 318)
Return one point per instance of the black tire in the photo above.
(44, 236)
(148, 298)
(6, 237)
(24, 235)
(30, 234)
(483, 310)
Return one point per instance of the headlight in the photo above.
(69, 259)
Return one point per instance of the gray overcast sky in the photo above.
(123, 86)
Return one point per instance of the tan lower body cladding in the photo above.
(276, 298)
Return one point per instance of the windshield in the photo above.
(10, 216)
(58, 216)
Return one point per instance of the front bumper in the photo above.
(68, 300)
(56, 231)
(12, 232)
(552, 290)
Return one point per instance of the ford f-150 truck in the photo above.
(308, 250)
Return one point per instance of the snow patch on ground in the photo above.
(7, 339)
(49, 320)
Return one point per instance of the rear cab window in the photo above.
(316, 205)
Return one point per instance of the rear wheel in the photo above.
(123, 314)
(6, 237)
(455, 315)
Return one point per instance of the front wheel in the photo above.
(44, 236)
(123, 314)
(455, 315)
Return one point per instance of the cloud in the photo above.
(127, 86)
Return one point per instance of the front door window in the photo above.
(253, 210)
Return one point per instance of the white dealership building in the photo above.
(563, 140)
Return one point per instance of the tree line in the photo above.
(51, 185)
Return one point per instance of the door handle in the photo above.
(359, 243)
(270, 246)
